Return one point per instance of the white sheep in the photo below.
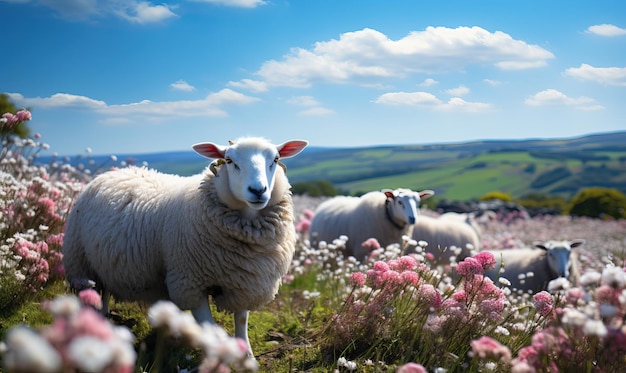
(228, 232)
(530, 270)
(446, 238)
(473, 219)
(385, 215)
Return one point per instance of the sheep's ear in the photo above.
(210, 150)
(290, 148)
(426, 193)
(576, 243)
(541, 245)
(389, 193)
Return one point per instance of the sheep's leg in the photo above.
(106, 295)
(241, 328)
(203, 313)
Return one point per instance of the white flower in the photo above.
(90, 354)
(595, 327)
(343, 362)
(504, 281)
(614, 277)
(590, 278)
(557, 284)
(574, 317)
(161, 313)
(27, 351)
(65, 305)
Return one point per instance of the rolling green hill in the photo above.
(470, 170)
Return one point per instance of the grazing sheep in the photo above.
(531, 269)
(228, 232)
(473, 219)
(442, 234)
(386, 215)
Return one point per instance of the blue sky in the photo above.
(129, 76)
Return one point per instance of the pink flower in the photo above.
(381, 266)
(429, 296)
(409, 277)
(23, 115)
(404, 263)
(10, 119)
(90, 297)
(486, 259)
(411, 368)
(357, 279)
(543, 303)
(303, 226)
(371, 244)
(430, 257)
(488, 348)
(308, 214)
(469, 267)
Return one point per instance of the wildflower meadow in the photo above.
(394, 313)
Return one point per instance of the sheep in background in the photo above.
(446, 238)
(228, 232)
(386, 215)
(474, 219)
(531, 269)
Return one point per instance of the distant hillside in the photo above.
(457, 171)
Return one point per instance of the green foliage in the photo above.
(6, 106)
(598, 203)
(539, 200)
(496, 195)
(317, 188)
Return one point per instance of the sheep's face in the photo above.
(251, 173)
(251, 165)
(405, 204)
(559, 260)
(559, 255)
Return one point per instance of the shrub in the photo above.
(598, 203)
(543, 201)
(496, 195)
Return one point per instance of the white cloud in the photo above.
(408, 98)
(606, 30)
(181, 85)
(492, 82)
(369, 54)
(235, 3)
(553, 97)
(458, 104)
(210, 106)
(314, 107)
(303, 101)
(428, 100)
(141, 12)
(316, 111)
(58, 100)
(249, 85)
(458, 91)
(428, 82)
(604, 75)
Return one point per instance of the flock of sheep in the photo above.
(229, 233)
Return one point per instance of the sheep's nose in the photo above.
(412, 220)
(257, 192)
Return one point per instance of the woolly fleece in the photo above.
(145, 236)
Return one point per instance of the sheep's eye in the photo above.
(228, 160)
(276, 159)
(401, 203)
